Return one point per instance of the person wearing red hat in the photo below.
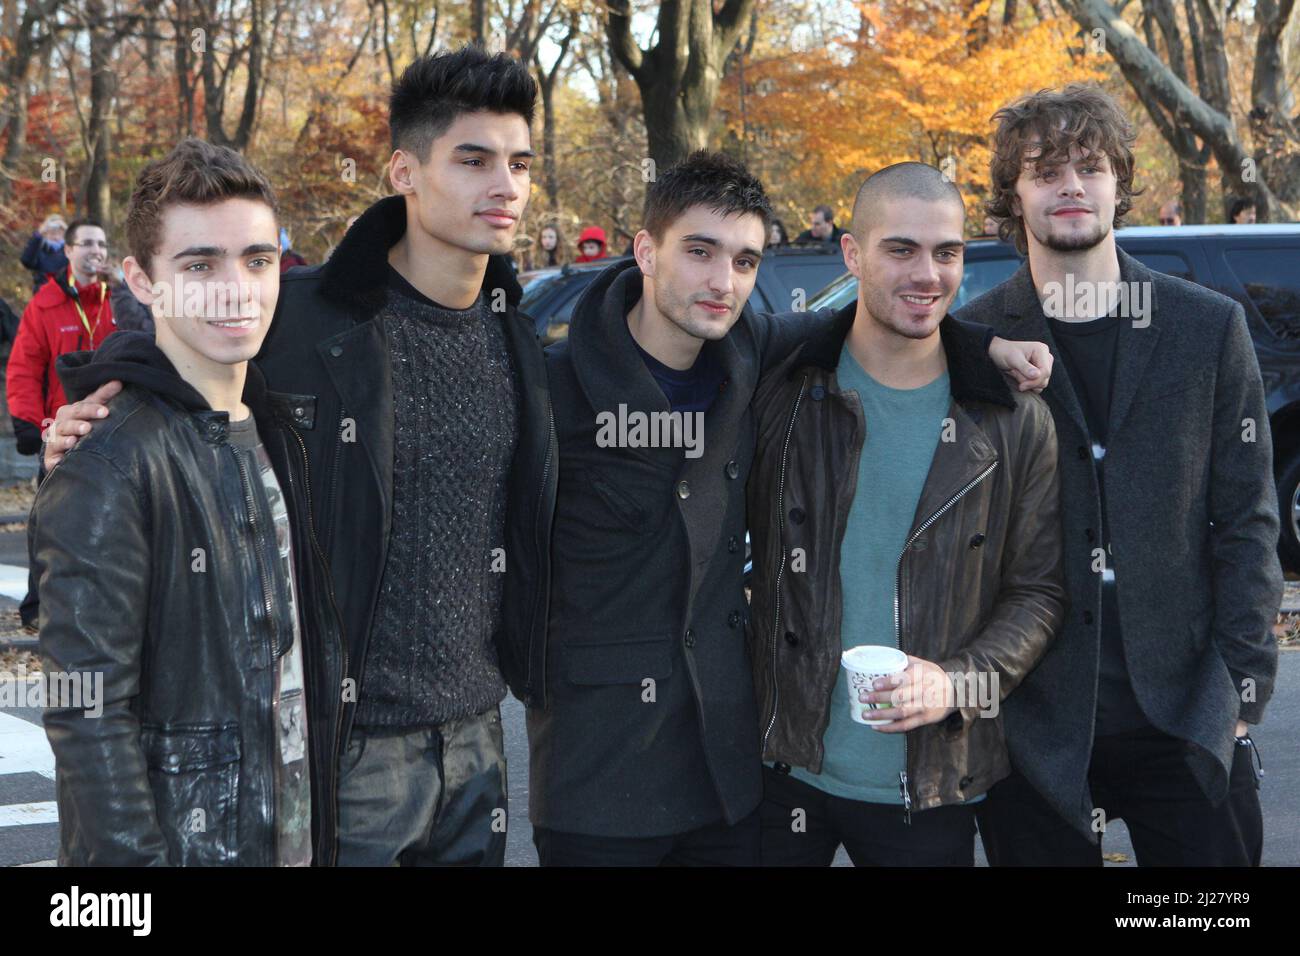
(591, 244)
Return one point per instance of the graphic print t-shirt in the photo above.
(293, 785)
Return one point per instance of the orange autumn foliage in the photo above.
(912, 85)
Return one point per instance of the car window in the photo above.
(808, 273)
(980, 276)
(536, 289)
(564, 312)
(1271, 277)
(836, 295)
(1170, 263)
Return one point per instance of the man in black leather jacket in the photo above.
(178, 563)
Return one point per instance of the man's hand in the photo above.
(71, 422)
(1241, 728)
(922, 694)
(1027, 364)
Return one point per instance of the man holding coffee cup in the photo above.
(904, 511)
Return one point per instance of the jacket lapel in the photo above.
(1137, 342)
(704, 513)
(1028, 324)
(357, 363)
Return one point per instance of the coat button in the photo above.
(797, 515)
(965, 782)
(173, 760)
(336, 350)
(299, 411)
(1090, 534)
(791, 638)
(733, 469)
(977, 539)
(690, 637)
(781, 767)
(733, 619)
(733, 544)
(1083, 453)
(818, 392)
(1087, 617)
(683, 489)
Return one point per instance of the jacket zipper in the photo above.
(780, 568)
(334, 469)
(273, 750)
(343, 644)
(541, 494)
(898, 621)
(252, 524)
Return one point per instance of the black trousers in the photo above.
(29, 610)
(1144, 778)
(714, 845)
(873, 834)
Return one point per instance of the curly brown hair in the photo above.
(1040, 129)
(194, 173)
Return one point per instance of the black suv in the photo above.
(1257, 265)
(788, 277)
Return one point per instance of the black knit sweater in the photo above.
(431, 656)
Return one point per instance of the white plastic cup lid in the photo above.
(874, 659)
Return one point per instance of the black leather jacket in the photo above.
(156, 573)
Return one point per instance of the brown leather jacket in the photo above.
(979, 588)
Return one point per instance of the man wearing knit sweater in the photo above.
(422, 414)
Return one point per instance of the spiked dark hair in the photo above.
(434, 90)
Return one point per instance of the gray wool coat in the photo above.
(1193, 519)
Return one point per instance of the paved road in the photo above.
(29, 831)
(26, 784)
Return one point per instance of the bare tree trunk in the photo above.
(1273, 123)
(1192, 156)
(99, 139)
(28, 39)
(252, 90)
(679, 77)
(182, 66)
(478, 22)
(546, 82)
(1152, 78)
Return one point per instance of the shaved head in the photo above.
(900, 181)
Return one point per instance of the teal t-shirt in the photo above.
(903, 427)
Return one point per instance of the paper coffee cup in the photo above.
(863, 664)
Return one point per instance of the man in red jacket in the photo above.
(71, 312)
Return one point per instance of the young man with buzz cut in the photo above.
(902, 496)
(177, 558)
(421, 402)
(1140, 710)
(645, 750)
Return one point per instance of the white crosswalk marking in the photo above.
(24, 751)
(24, 748)
(13, 581)
(27, 814)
